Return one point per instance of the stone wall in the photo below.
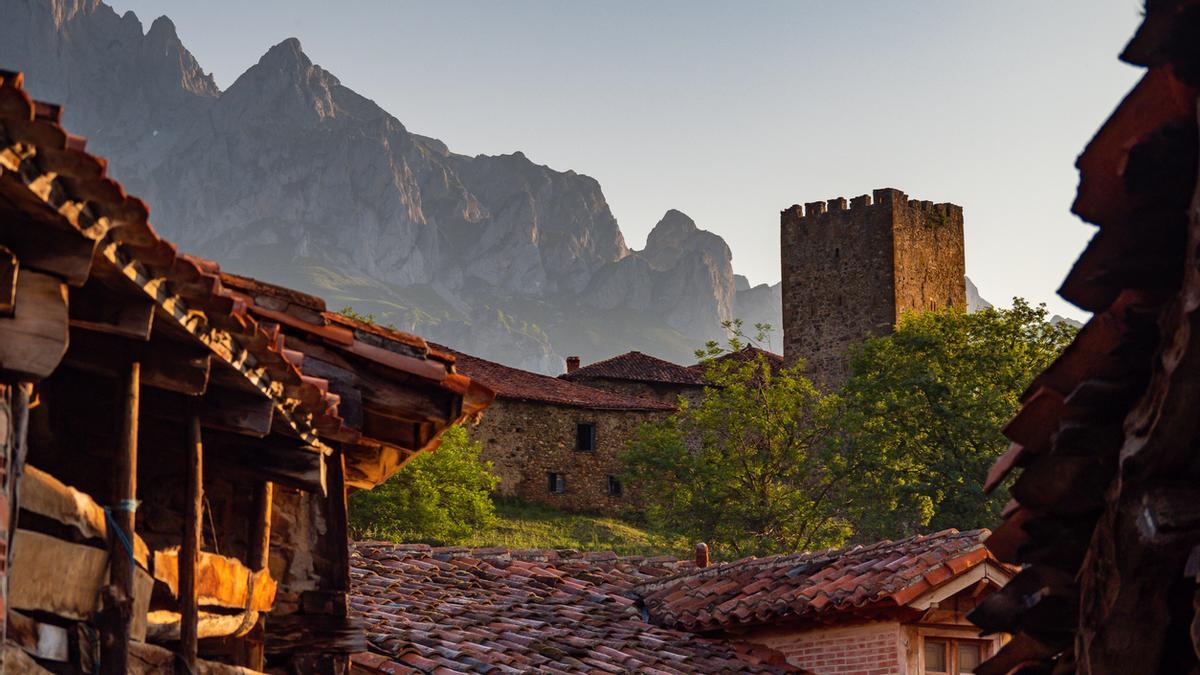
(525, 441)
(850, 267)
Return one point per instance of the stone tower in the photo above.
(851, 269)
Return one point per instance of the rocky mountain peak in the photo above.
(283, 88)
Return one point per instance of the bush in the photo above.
(437, 498)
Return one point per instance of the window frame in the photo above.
(615, 482)
(951, 643)
(591, 436)
(556, 482)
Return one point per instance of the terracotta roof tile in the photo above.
(746, 354)
(637, 367)
(858, 579)
(456, 610)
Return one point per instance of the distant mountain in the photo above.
(291, 177)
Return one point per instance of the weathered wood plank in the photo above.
(61, 578)
(166, 365)
(34, 339)
(45, 495)
(43, 640)
(220, 581)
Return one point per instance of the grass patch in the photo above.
(522, 525)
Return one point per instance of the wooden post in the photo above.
(339, 529)
(253, 654)
(118, 597)
(189, 551)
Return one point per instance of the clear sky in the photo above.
(733, 111)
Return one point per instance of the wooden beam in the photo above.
(34, 339)
(10, 267)
(114, 641)
(239, 412)
(43, 640)
(189, 554)
(220, 581)
(166, 364)
(96, 307)
(283, 461)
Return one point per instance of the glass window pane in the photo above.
(969, 656)
(935, 656)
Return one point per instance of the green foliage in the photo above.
(438, 498)
(748, 467)
(930, 400)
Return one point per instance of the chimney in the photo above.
(702, 555)
(572, 364)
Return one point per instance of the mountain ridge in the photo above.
(290, 176)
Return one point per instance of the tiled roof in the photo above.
(863, 580)
(746, 354)
(638, 367)
(522, 385)
(500, 611)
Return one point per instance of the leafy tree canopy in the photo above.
(930, 399)
(746, 467)
(437, 498)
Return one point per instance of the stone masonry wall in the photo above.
(838, 281)
(851, 267)
(525, 441)
(930, 261)
(869, 649)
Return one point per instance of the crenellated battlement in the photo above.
(852, 266)
(884, 197)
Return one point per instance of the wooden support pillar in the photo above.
(189, 551)
(253, 654)
(339, 527)
(118, 596)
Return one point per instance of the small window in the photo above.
(615, 488)
(557, 483)
(585, 437)
(952, 657)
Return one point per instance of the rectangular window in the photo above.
(614, 486)
(585, 437)
(557, 483)
(945, 656)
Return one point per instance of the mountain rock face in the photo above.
(293, 178)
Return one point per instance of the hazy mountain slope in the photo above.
(291, 177)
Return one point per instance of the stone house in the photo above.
(892, 608)
(554, 441)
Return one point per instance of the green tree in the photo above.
(746, 468)
(930, 399)
(437, 498)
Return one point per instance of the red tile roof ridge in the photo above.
(753, 590)
(523, 385)
(638, 367)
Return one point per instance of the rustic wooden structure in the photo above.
(177, 451)
(1105, 513)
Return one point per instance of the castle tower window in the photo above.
(615, 488)
(557, 483)
(585, 437)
